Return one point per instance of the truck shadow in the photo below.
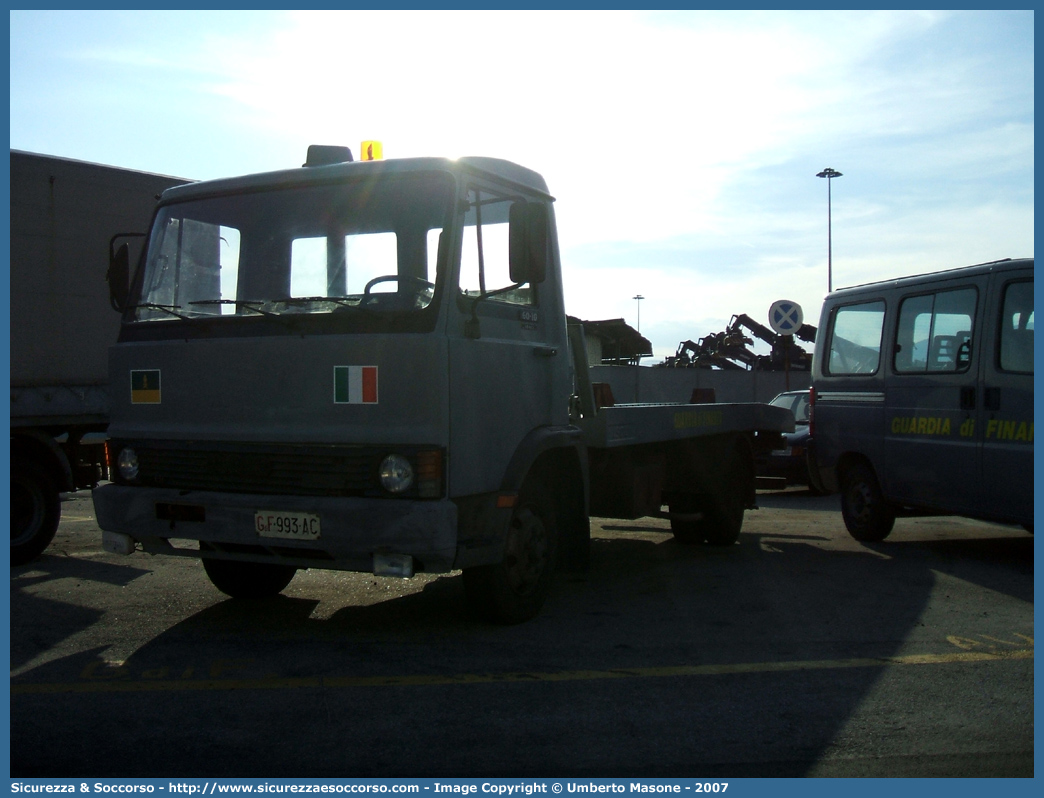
(50, 566)
(653, 646)
(38, 623)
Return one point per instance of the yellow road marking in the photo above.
(116, 684)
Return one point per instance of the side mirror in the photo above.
(529, 242)
(118, 276)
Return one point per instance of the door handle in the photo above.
(545, 351)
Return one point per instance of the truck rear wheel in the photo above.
(868, 517)
(715, 514)
(514, 590)
(720, 524)
(687, 520)
(36, 509)
(248, 580)
(724, 521)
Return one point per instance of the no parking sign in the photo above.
(785, 317)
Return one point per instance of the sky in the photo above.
(682, 147)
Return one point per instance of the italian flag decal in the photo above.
(355, 385)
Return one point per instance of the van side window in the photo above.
(1016, 333)
(935, 332)
(855, 340)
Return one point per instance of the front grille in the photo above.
(285, 470)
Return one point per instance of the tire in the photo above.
(248, 580)
(722, 511)
(868, 517)
(687, 531)
(720, 525)
(725, 521)
(36, 509)
(514, 590)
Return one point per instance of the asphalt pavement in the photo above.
(797, 652)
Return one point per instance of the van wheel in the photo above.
(36, 509)
(248, 580)
(514, 590)
(867, 515)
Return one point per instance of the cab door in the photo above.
(1005, 424)
(504, 346)
(931, 399)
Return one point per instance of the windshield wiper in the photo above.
(304, 300)
(249, 304)
(171, 309)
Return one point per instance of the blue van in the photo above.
(922, 397)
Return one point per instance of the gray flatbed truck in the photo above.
(64, 214)
(367, 366)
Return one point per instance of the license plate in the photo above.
(286, 525)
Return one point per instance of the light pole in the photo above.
(638, 360)
(829, 174)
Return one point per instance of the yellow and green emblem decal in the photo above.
(145, 387)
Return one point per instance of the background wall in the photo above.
(650, 384)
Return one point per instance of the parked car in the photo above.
(790, 464)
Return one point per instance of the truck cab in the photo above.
(302, 351)
(366, 365)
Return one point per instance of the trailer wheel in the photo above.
(514, 590)
(36, 509)
(248, 580)
(867, 515)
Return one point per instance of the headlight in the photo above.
(396, 473)
(128, 464)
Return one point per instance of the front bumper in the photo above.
(353, 530)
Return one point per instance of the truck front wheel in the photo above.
(514, 590)
(867, 515)
(248, 580)
(36, 509)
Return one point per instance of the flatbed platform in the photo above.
(629, 425)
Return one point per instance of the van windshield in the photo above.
(351, 247)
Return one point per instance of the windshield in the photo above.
(350, 247)
(796, 403)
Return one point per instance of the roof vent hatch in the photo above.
(326, 154)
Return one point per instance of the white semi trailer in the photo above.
(64, 216)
